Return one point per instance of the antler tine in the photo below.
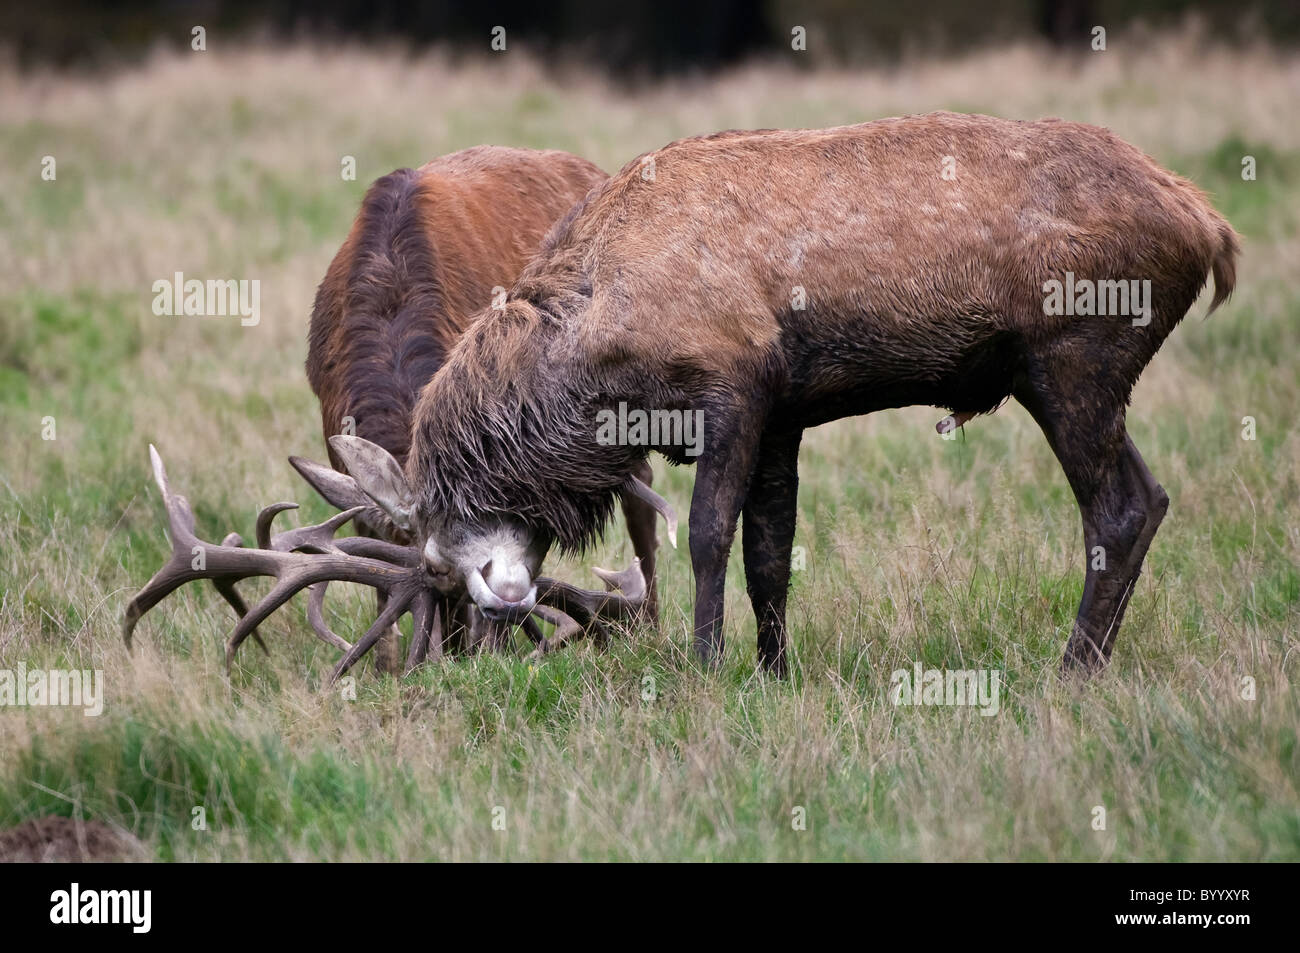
(228, 591)
(264, 519)
(588, 602)
(631, 581)
(426, 630)
(341, 491)
(226, 564)
(334, 487)
(398, 600)
(172, 575)
(317, 538)
(566, 628)
(574, 611)
(661, 506)
(316, 617)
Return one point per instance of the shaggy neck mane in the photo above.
(508, 426)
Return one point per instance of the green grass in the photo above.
(956, 554)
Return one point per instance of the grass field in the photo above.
(956, 554)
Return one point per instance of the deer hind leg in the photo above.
(1120, 520)
(767, 533)
(1121, 505)
(642, 521)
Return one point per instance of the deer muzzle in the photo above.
(509, 598)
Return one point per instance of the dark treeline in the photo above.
(628, 37)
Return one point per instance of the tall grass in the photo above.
(957, 554)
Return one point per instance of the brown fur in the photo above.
(423, 256)
(676, 292)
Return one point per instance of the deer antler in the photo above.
(310, 558)
(661, 506)
(584, 608)
(193, 558)
(566, 628)
(589, 603)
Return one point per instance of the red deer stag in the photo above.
(425, 253)
(777, 280)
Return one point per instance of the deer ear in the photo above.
(379, 477)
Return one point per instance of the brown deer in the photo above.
(777, 280)
(429, 248)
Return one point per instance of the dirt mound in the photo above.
(66, 840)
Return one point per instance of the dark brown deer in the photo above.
(777, 280)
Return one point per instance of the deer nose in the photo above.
(512, 585)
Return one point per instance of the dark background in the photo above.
(629, 38)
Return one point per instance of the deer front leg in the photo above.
(770, 510)
(721, 481)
